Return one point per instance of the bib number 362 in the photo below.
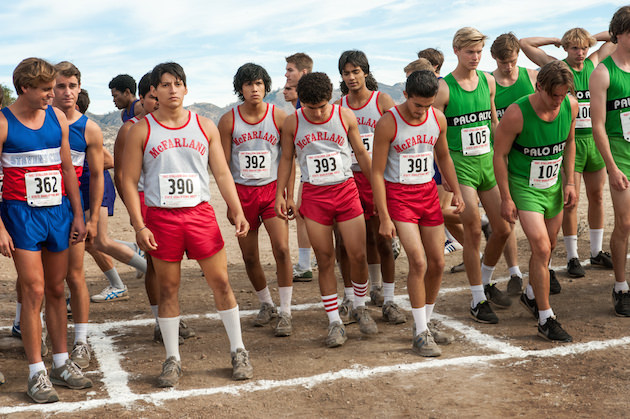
(179, 190)
(43, 189)
(543, 174)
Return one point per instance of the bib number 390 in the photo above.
(543, 174)
(43, 189)
(179, 190)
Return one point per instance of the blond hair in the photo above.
(579, 37)
(418, 65)
(31, 72)
(468, 36)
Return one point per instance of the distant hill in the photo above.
(110, 122)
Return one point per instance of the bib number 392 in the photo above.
(543, 174)
(475, 140)
(43, 189)
(255, 164)
(179, 190)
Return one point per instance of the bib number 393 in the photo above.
(543, 174)
(416, 168)
(255, 164)
(324, 168)
(475, 140)
(43, 189)
(179, 190)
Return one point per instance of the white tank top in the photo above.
(367, 117)
(322, 149)
(410, 157)
(175, 164)
(255, 149)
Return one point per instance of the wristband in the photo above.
(138, 231)
(568, 184)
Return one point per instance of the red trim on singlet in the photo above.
(342, 124)
(172, 129)
(273, 117)
(436, 119)
(238, 108)
(360, 107)
(319, 123)
(297, 124)
(395, 126)
(378, 108)
(146, 141)
(413, 125)
(201, 129)
(233, 123)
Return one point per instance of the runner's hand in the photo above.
(458, 202)
(77, 230)
(618, 181)
(387, 229)
(6, 243)
(242, 226)
(570, 196)
(146, 241)
(509, 211)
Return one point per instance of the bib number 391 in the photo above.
(475, 140)
(179, 190)
(43, 189)
(416, 168)
(543, 174)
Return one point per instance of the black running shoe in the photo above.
(621, 302)
(530, 305)
(602, 259)
(496, 296)
(553, 331)
(483, 313)
(515, 285)
(554, 285)
(575, 269)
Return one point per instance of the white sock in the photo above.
(41, 319)
(486, 274)
(169, 326)
(285, 299)
(374, 273)
(388, 291)
(348, 292)
(549, 264)
(264, 296)
(621, 286)
(154, 309)
(543, 315)
(331, 305)
(304, 258)
(449, 236)
(138, 262)
(420, 318)
(596, 236)
(477, 294)
(570, 243)
(114, 279)
(360, 292)
(35, 368)
(232, 324)
(429, 309)
(18, 311)
(529, 291)
(515, 270)
(80, 332)
(59, 359)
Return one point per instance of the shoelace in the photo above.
(81, 350)
(42, 383)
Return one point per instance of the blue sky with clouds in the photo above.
(105, 38)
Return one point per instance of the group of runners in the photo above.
(519, 141)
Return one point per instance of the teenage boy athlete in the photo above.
(405, 192)
(322, 136)
(41, 211)
(466, 97)
(610, 109)
(250, 136)
(123, 88)
(533, 143)
(588, 161)
(172, 148)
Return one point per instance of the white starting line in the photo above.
(116, 380)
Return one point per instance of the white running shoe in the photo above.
(110, 294)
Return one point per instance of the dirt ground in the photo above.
(490, 370)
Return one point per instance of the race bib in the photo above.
(178, 190)
(255, 164)
(543, 174)
(583, 119)
(475, 140)
(625, 124)
(324, 168)
(416, 168)
(368, 141)
(43, 189)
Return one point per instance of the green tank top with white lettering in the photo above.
(580, 80)
(617, 98)
(505, 96)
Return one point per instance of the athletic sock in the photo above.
(529, 291)
(35, 368)
(360, 292)
(486, 274)
(570, 243)
(543, 315)
(285, 299)
(331, 305)
(596, 236)
(348, 292)
(41, 319)
(374, 273)
(264, 296)
(169, 326)
(154, 309)
(477, 294)
(621, 286)
(232, 324)
(59, 359)
(138, 262)
(80, 332)
(515, 270)
(304, 258)
(388, 291)
(114, 279)
(132, 246)
(18, 311)
(449, 236)
(420, 318)
(429, 309)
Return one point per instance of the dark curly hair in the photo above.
(250, 72)
(314, 88)
(123, 82)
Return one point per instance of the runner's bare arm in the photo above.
(446, 164)
(492, 85)
(285, 207)
(605, 50)
(568, 158)
(6, 242)
(95, 150)
(531, 48)
(225, 131)
(441, 100)
(279, 116)
(383, 135)
(385, 102)
(119, 148)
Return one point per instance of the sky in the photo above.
(212, 39)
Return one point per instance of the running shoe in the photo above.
(336, 335)
(554, 284)
(553, 331)
(284, 326)
(139, 273)
(440, 337)
(393, 314)
(241, 367)
(69, 375)
(515, 285)
(171, 371)
(621, 303)
(40, 389)
(185, 332)
(575, 269)
(345, 311)
(377, 297)
(110, 294)
(396, 247)
(81, 354)
(1, 378)
(496, 296)
(602, 259)
(483, 313)
(458, 268)
(266, 313)
(68, 308)
(451, 246)
(367, 325)
(15, 331)
(530, 305)
(424, 345)
(302, 275)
